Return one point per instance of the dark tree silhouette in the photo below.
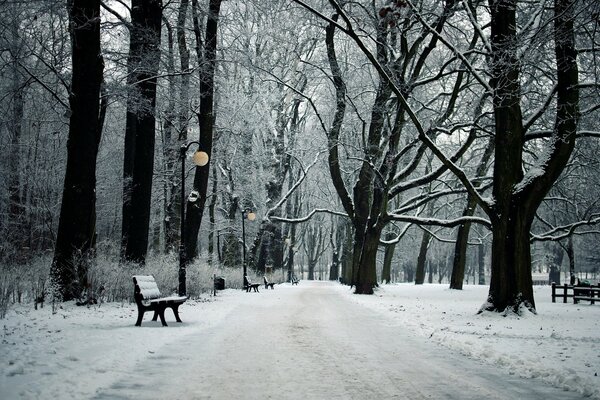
(76, 227)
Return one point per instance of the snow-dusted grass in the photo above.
(560, 345)
(79, 350)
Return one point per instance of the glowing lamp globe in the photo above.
(251, 216)
(200, 158)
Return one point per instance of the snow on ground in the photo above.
(78, 350)
(560, 345)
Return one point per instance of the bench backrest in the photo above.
(145, 288)
(246, 281)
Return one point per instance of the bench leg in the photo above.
(155, 316)
(176, 312)
(161, 314)
(139, 318)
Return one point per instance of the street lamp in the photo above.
(200, 158)
(246, 213)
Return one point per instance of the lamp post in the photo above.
(246, 213)
(200, 159)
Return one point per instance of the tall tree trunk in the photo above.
(76, 226)
(195, 209)
(138, 166)
(516, 200)
(461, 245)
(422, 258)
(170, 153)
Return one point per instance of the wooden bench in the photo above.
(248, 285)
(295, 280)
(268, 284)
(148, 298)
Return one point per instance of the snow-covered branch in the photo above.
(567, 230)
(448, 223)
(306, 217)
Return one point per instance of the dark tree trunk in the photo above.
(232, 252)
(76, 226)
(571, 255)
(347, 255)
(511, 284)
(211, 216)
(366, 272)
(170, 154)
(516, 201)
(422, 259)
(206, 119)
(386, 272)
(460, 247)
(138, 166)
(334, 268)
(293, 209)
(555, 262)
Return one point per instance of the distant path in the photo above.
(309, 342)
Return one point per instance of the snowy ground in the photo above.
(315, 340)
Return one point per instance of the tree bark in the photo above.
(422, 258)
(462, 237)
(516, 199)
(138, 166)
(195, 209)
(571, 255)
(386, 276)
(76, 228)
(365, 251)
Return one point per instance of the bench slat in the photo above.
(148, 287)
(172, 299)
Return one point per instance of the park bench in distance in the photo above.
(249, 285)
(148, 298)
(295, 280)
(268, 284)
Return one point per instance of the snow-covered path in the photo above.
(311, 342)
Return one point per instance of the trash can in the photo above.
(219, 283)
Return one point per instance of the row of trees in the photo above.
(408, 122)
